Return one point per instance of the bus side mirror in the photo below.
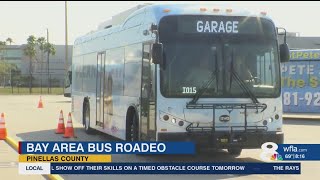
(157, 53)
(284, 53)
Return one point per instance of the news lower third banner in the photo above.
(30, 147)
(95, 158)
(159, 168)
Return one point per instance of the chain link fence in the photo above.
(37, 83)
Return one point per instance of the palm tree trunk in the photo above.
(49, 84)
(41, 71)
(30, 76)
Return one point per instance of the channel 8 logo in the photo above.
(269, 152)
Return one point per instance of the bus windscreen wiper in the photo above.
(241, 83)
(205, 86)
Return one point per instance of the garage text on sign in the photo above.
(217, 26)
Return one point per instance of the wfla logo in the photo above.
(269, 152)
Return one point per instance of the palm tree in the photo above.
(50, 50)
(2, 49)
(30, 51)
(41, 41)
(2, 43)
(9, 40)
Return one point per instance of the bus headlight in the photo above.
(270, 120)
(276, 116)
(166, 117)
(264, 122)
(173, 120)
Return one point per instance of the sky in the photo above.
(24, 18)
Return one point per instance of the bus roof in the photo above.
(116, 23)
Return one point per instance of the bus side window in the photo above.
(132, 70)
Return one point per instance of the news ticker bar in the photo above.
(159, 168)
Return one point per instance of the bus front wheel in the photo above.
(132, 128)
(86, 117)
(234, 151)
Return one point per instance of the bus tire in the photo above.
(132, 128)
(235, 152)
(86, 119)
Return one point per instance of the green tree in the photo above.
(41, 41)
(50, 50)
(2, 49)
(15, 75)
(9, 40)
(4, 66)
(30, 51)
(3, 44)
(6, 70)
(9, 73)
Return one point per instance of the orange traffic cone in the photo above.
(40, 105)
(60, 128)
(69, 131)
(3, 130)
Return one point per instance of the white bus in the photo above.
(182, 73)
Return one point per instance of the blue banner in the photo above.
(175, 168)
(299, 152)
(49, 147)
(301, 82)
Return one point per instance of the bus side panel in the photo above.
(77, 98)
(113, 91)
(122, 87)
(132, 79)
(90, 85)
(84, 86)
(77, 101)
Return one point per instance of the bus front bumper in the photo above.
(245, 140)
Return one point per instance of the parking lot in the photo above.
(25, 122)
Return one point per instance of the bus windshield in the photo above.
(197, 46)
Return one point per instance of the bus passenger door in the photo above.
(147, 122)
(100, 85)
